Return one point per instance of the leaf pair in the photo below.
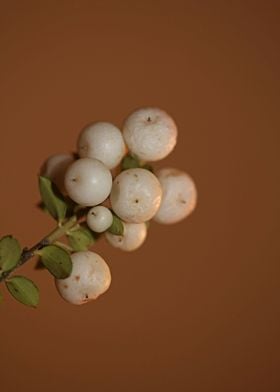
(21, 288)
(56, 260)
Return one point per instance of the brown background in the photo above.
(197, 308)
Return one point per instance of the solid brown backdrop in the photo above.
(197, 307)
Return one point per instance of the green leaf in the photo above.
(56, 260)
(53, 200)
(81, 238)
(129, 162)
(117, 227)
(10, 253)
(23, 290)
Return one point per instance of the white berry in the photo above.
(55, 167)
(150, 133)
(179, 196)
(136, 195)
(88, 181)
(102, 141)
(99, 219)
(133, 237)
(90, 277)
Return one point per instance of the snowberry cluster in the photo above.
(111, 183)
(136, 195)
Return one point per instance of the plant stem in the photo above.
(60, 231)
(64, 246)
(55, 235)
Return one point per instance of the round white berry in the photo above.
(179, 196)
(90, 277)
(150, 133)
(88, 181)
(136, 195)
(99, 219)
(102, 141)
(133, 237)
(55, 167)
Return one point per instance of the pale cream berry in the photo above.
(150, 133)
(99, 219)
(88, 181)
(136, 195)
(55, 168)
(133, 237)
(179, 196)
(102, 141)
(90, 277)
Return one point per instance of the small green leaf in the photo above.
(10, 253)
(23, 290)
(129, 162)
(81, 238)
(56, 260)
(117, 227)
(52, 199)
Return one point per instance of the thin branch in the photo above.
(28, 253)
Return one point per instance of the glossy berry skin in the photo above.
(102, 141)
(150, 134)
(99, 219)
(89, 279)
(136, 195)
(88, 182)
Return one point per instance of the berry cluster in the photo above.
(111, 184)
